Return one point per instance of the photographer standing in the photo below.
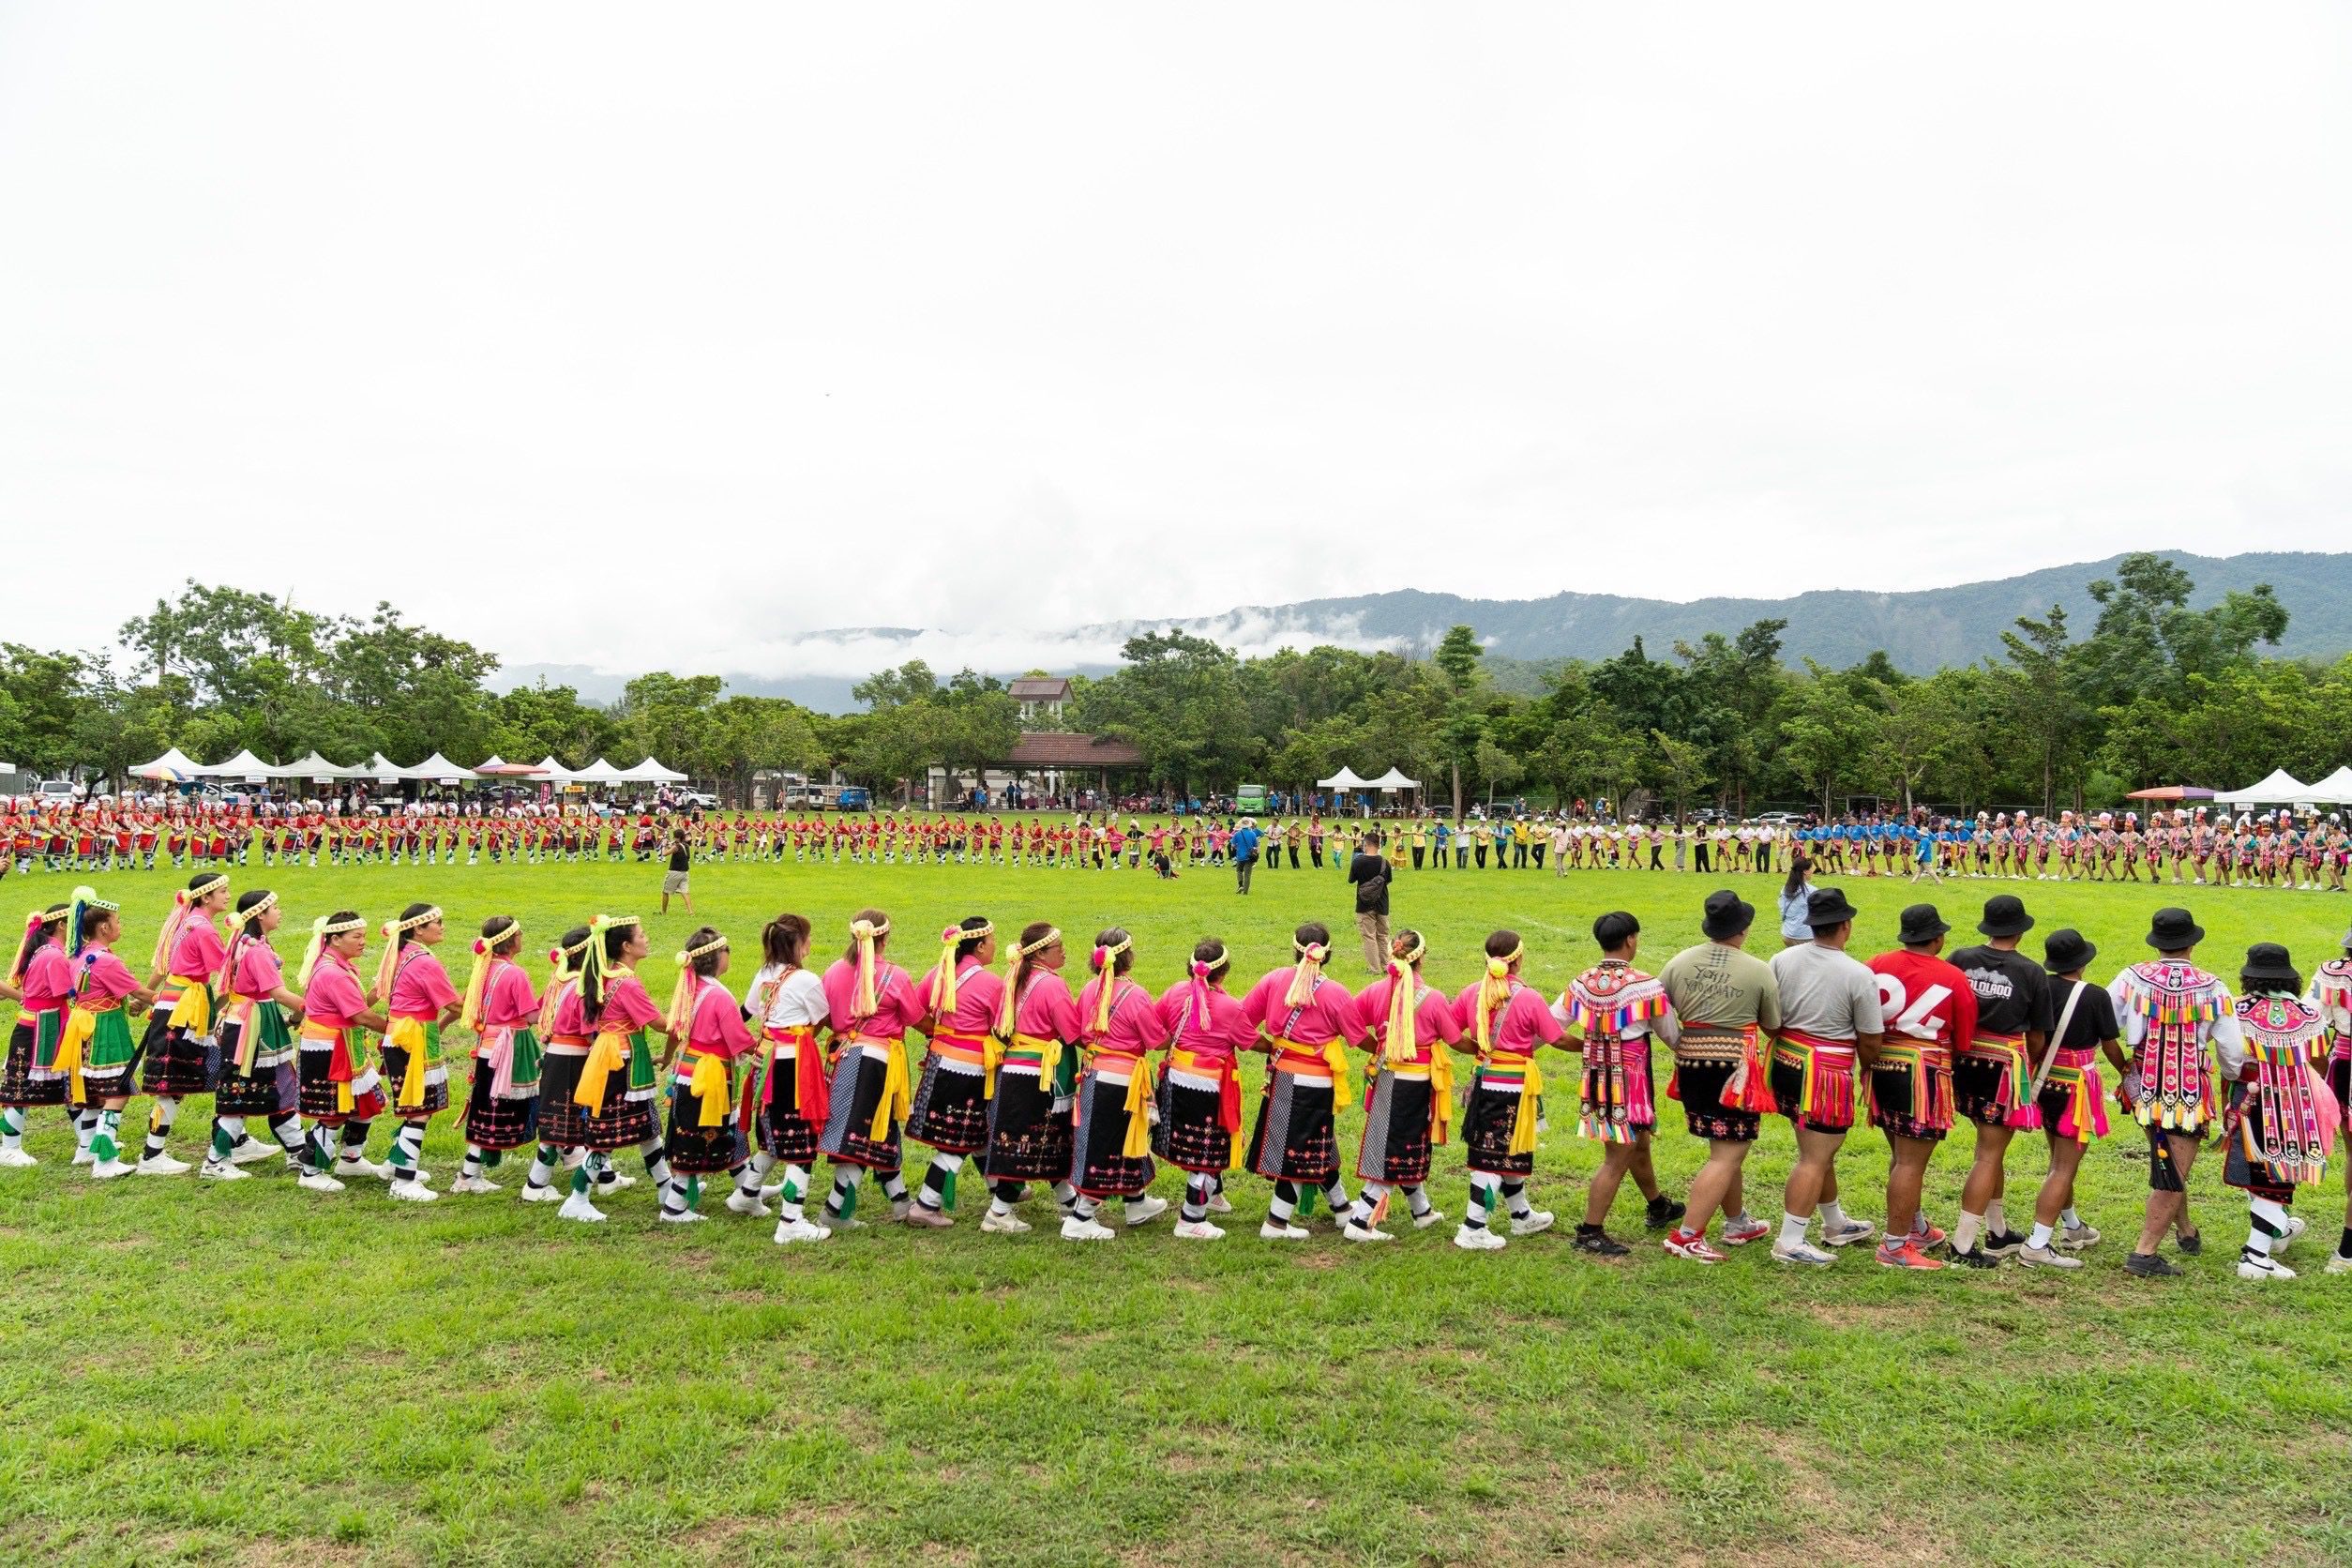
(1369, 872)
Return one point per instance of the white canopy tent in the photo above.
(437, 769)
(1393, 781)
(556, 772)
(243, 765)
(598, 772)
(1344, 779)
(380, 769)
(315, 768)
(2281, 789)
(2334, 789)
(651, 772)
(173, 767)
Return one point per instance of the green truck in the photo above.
(1250, 799)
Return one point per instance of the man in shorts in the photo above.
(675, 880)
(1725, 999)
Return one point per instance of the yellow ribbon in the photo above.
(193, 1010)
(897, 1098)
(709, 1086)
(409, 1034)
(1049, 1058)
(1138, 1139)
(79, 1026)
(1523, 1125)
(1440, 1092)
(1335, 1054)
(609, 1054)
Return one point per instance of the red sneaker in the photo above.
(1927, 1237)
(1682, 1243)
(1907, 1256)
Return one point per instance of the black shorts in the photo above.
(2162, 1175)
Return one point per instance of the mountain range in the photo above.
(1921, 630)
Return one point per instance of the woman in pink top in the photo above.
(502, 1104)
(1509, 1022)
(420, 1003)
(340, 1092)
(97, 1046)
(1199, 1129)
(41, 981)
(1308, 1019)
(1112, 1148)
(1408, 1103)
(257, 1046)
(619, 1079)
(565, 1124)
(705, 1136)
(1029, 1109)
(950, 1108)
(177, 1055)
(871, 1005)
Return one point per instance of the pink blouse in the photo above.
(334, 998)
(1330, 1013)
(1520, 1025)
(420, 986)
(1223, 1035)
(627, 1007)
(715, 1027)
(897, 1008)
(197, 952)
(977, 995)
(104, 976)
(1433, 1019)
(1135, 1021)
(571, 1016)
(1046, 1011)
(507, 1001)
(48, 978)
(259, 972)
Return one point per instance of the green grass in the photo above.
(255, 1374)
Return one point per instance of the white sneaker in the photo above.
(742, 1202)
(770, 1193)
(363, 1167)
(413, 1192)
(249, 1150)
(1220, 1204)
(1145, 1210)
(2047, 1258)
(319, 1180)
(1270, 1231)
(548, 1194)
(2295, 1226)
(83, 1156)
(162, 1165)
(2078, 1238)
(994, 1224)
(106, 1170)
(800, 1230)
(575, 1206)
(1802, 1252)
(2338, 1264)
(1533, 1221)
(2263, 1268)
(900, 1208)
(1424, 1220)
(1198, 1230)
(1852, 1231)
(683, 1216)
(1076, 1229)
(471, 1184)
(221, 1170)
(1479, 1240)
(1355, 1230)
(15, 1159)
(612, 1181)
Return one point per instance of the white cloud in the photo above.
(634, 337)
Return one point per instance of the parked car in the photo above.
(854, 798)
(1779, 819)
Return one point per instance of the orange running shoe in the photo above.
(1905, 1255)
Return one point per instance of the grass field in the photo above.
(255, 1374)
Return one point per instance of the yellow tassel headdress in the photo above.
(1105, 961)
(1404, 1001)
(865, 1002)
(477, 981)
(183, 904)
(1008, 1008)
(1309, 970)
(388, 967)
(562, 966)
(321, 930)
(1493, 992)
(682, 990)
(943, 974)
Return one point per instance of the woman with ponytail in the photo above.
(339, 1093)
(1112, 1149)
(789, 1000)
(950, 1109)
(502, 1105)
(1509, 1022)
(1029, 1111)
(1199, 1130)
(870, 1004)
(95, 1050)
(420, 1003)
(1408, 1099)
(257, 1047)
(178, 1056)
(618, 1079)
(705, 1136)
(40, 982)
(563, 1127)
(1308, 1019)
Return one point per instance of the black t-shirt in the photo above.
(2013, 992)
(1369, 872)
(678, 861)
(2094, 1016)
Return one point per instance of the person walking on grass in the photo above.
(675, 881)
(1369, 872)
(1244, 851)
(2073, 1099)
(2174, 1016)
(2281, 1119)
(1992, 1077)
(1929, 1008)
(1829, 1023)
(1615, 1010)
(2332, 993)
(1723, 999)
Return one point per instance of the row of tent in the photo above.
(1346, 779)
(2284, 789)
(173, 767)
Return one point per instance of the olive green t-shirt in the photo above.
(1719, 985)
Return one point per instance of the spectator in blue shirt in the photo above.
(1244, 851)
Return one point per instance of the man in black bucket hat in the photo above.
(2070, 1097)
(1725, 999)
(1830, 1029)
(1991, 1074)
(2174, 1016)
(1929, 1010)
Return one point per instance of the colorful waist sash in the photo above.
(192, 1003)
(1496, 1073)
(1826, 1099)
(973, 1050)
(419, 1037)
(2006, 1052)
(1228, 1083)
(263, 1037)
(514, 1055)
(1328, 1059)
(2075, 1075)
(346, 1065)
(1927, 1069)
(814, 1090)
(1139, 1106)
(96, 1043)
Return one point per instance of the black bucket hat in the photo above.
(2005, 916)
(2065, 951)
(1728, 915)
(1828, 907)
(2270, 964)
(1923, 923)
(2173, 929)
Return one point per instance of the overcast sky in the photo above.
(657, 335)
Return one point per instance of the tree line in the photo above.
(2157, 692)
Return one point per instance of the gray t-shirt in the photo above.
(1719, 985)
(1824, 992)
